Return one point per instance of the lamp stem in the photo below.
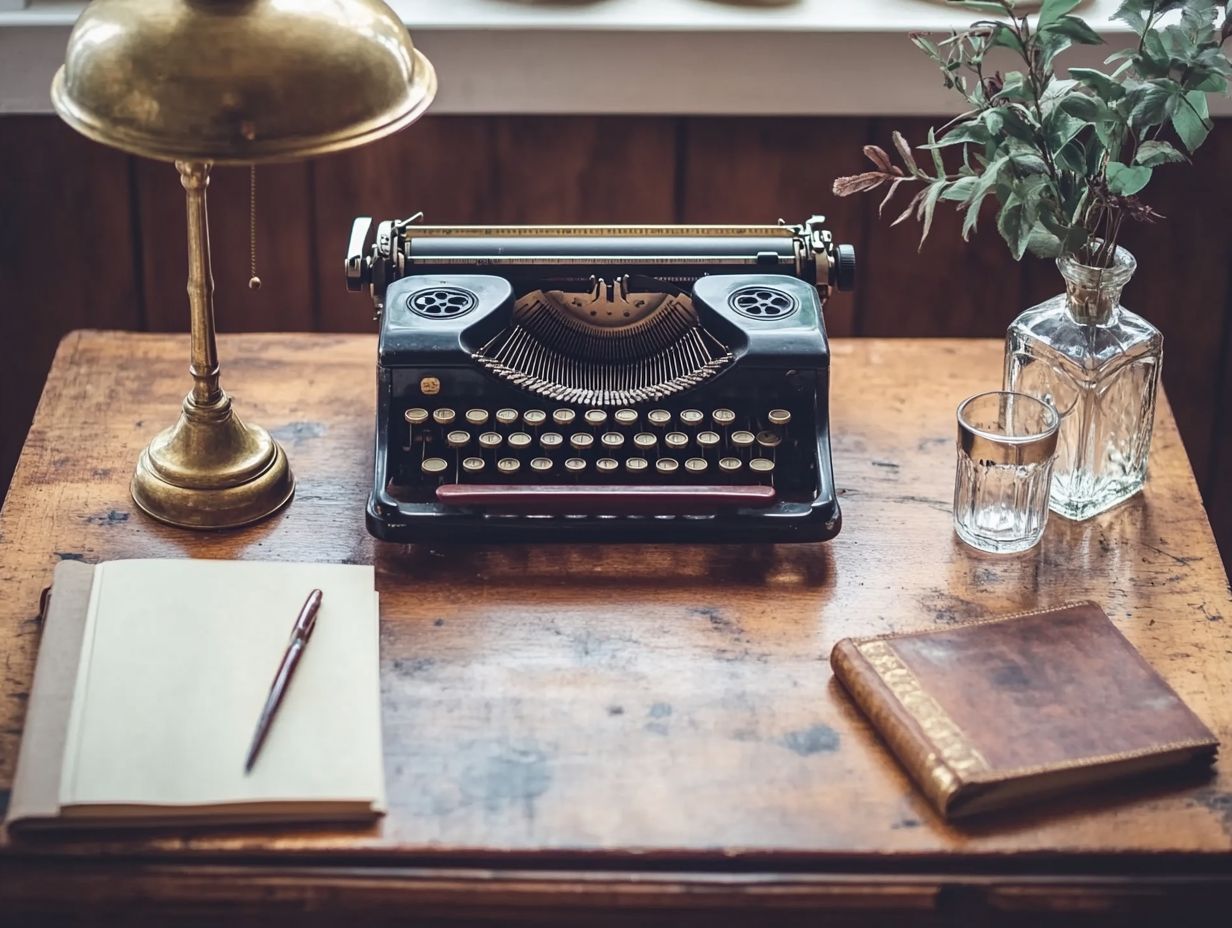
(195, 178)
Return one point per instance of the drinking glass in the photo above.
(1006, 446)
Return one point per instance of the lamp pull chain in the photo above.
(254, 282)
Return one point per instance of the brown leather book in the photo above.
(1006, 710)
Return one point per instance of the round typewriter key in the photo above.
(563, 417)
(691, 417)
(444, 416)
(541, 465)
(708, 440)
(644, 441)
(534, 417)
(508, 465)
(434, 466)
(490, 440)
(457, 439)
(667, 465)
(779, 417)
(595, 417)
(625, 417)
(607, 465)
(761, 465)
(696, 465)
(477, 417)
(575, 465)
(723, 417)
(659, 418)
(580, 441)
(612, 440)
(551, 440)
(730, 465)
(472, 465)
(636, 465)
(506, 416)
(742, 439)
(769, 439)
(415, 416)
(676, 440)
(519, 440)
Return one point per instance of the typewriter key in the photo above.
(607, 465)
(415, 416)
(644, 441)
(742, 439)
(580, 441)
(676, 440)
(696, 465)
(667, 465)
(506, 416)
(477, 417)
(595, 417)
(457, 439)
(723, 417)
(541, 465)
(489, 440)
(551, 440)
(761, 465)
(779, 417)
(472, 465)
(730, 465)
(625, 417)
(434, 466)
(575, 465)
(519, 440)
(691, 417)
(769, 439)
(508, 465)
(534, 418)
(659, 418)
(636, 465)
(444, 416)
(708, 440)
(563, 417)
(612, 439)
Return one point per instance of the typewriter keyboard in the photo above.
(445, 450)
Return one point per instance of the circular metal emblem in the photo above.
(763, 303)
(441, 302)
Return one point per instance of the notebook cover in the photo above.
(997, 712)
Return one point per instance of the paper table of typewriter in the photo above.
(619, 383)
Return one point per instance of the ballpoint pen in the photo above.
(300, 633)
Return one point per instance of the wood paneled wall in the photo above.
(90, 237)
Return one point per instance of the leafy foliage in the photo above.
(1065, 158)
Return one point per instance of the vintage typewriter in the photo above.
(622, 383)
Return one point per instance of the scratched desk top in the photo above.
(649, 699)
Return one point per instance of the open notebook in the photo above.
(150, 679)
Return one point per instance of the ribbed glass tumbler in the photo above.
(1006, 445)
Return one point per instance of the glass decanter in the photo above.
(1098, 365)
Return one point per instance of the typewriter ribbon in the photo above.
(619, 383)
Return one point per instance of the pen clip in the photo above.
(307, 619)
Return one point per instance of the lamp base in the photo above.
(210, 470)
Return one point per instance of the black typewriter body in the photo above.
(603, 385)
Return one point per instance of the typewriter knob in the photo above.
(844, 267)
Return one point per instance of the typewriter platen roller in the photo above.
(623, 383)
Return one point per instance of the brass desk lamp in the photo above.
(203, 82)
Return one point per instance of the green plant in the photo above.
(1066, 159)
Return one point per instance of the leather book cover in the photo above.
(1011, 709)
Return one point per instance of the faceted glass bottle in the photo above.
(1098, 365)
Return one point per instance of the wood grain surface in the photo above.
(643, 705)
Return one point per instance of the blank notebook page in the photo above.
(177, 660)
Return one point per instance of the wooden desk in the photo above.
(645, 729)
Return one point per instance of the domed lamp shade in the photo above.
(203, 82)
